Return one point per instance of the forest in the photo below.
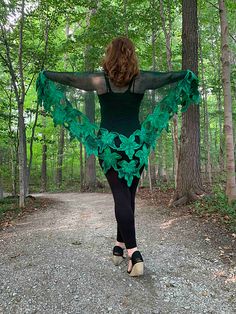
(195, 157)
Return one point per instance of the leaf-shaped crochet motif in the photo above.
(88, 128)
(106, 139)
(160, 119)
(91, 145)
(143, 154)
(109, 159)
(75, 130)
(128, 145)
(128, 170)
(149, 137)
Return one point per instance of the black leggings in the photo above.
(124, 199)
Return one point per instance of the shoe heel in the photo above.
(137, 269)
(117, 260)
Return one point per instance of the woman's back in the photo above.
(120, 110)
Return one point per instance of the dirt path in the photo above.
(58, 260)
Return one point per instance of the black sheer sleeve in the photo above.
(88, 81)
(153, 80)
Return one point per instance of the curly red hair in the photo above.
(120, 62)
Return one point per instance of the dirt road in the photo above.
(58, 260)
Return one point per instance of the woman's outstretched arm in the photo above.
(154, 80)
(88, 81)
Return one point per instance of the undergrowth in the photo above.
(9, 204)
(217, 203)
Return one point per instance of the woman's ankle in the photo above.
(131, 251)
(121, 244)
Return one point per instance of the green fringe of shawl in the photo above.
(79, 126)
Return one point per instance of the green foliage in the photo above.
(9, 204)
(166, 186)
(92, 24)
(217, 202)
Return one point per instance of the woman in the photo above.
(122, 146)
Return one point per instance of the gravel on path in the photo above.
(58, 261)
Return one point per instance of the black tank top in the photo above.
(120, 111)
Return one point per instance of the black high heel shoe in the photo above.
(118, 255)
(137, 264)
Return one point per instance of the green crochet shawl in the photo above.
(55, 102)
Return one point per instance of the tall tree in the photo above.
(166, 20)
(230, 161)
(17, 77)
(206, 142)
(189, 183)
(44, 156)
(61, 141)
(152, 157)
(90, 162)
(1, 183)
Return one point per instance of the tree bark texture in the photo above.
(61, 143)
(167, 28)
(189, 183)
(230, 162)
(44, 157)
(90, 163)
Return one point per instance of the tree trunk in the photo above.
(19, 90)
(1, 179)
(13, 170)
(230, 162)
(61, 143)
(31, 146)
(160, 159)
(149, 171)
(167, 32)
(44, 166)
(44, 158)
(13, 149)
(1, 193)
(22, 148)
(22, 157)
(90, 163)
(152, 157)
(189, 183)
(207, 144)
(221, 134)
(81, 167)
(141, 182)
